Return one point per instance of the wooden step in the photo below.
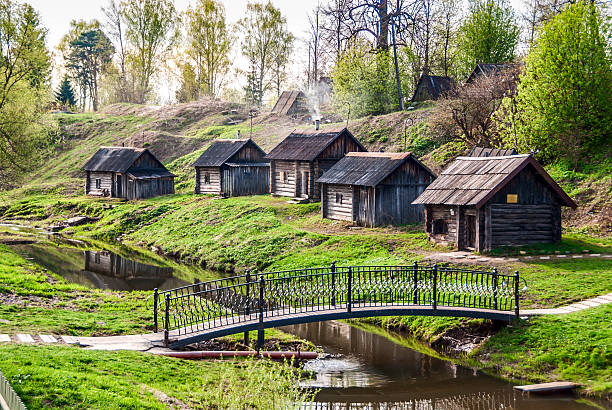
(552, 387)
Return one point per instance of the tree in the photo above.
(116, 30)
(189, 84)
(265, 30)
(209, 45)
(151, 29)
(488, 35)
(89, 54)
(467, 114)
(65, 93)
(563, 109)
(24, 74)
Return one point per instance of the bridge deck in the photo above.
(284, 317)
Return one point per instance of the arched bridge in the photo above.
(243, 303)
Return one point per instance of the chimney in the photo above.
(317, 121)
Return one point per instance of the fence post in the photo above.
(260, 330)
(155, 297)
(333, 283)
(247, 309)
(434, 301)
(415, 299)
(167, 320)
(516, 294)
(495, 288)
(349, 290)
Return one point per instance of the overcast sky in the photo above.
(57, 14)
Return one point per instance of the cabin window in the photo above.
(512, 198)
(283, 177)
(339, 199)
(440, 226)
(97, 258)
(98, 183)
(207, 178)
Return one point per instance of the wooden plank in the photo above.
(547, 387)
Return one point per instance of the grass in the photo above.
(575, 347)
(68, 377)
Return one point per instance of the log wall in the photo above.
(516, 224)
(246, 180)
(106, 180)
(337, 202)
(149, 188)
(212, 187)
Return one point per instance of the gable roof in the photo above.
(436, 85)
(491, 152)
(473, 181)
(286, 101)
(307, 146)
(220, 151)
(367, 168)
(488, 69)
(116, 159)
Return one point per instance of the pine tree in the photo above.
(65, 93)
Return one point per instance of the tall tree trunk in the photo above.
(383, 33)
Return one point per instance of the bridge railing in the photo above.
(243, 298)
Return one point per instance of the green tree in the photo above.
(563, 108)
(265, 29)
(90, 52)
(209, 45)
(189, 84)
(151, 30)
(24, 73)
(65, 93)
(488, 35)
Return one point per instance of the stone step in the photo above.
(48, 338)
(25, 338)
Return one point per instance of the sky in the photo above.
(57, 14)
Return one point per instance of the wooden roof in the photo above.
(367, 168)
(488, 69)
(436, 85)
(116, 159)
(472, 181)
(299, 146)
(220, 151)
(286, 101)
(491, 152)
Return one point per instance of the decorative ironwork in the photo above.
(246, 298)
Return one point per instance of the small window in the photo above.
(440, 226)
(98, 183)
(207, 178)
(283, 177)
(339, 199)
(97, 258)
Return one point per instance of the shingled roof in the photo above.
(488, 69)
(367, 168)
(473, 181)
(491, 152)
(436, 85)
(306, 146)
(286, 100)
(220, 151)
(114, 159)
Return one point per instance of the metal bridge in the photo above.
(248, 302)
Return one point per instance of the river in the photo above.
(364, 368)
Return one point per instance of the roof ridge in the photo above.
(493, 157)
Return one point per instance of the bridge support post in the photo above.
(261, 335)
(516, 294)
(434, 300)
(333, 283)
(415, 267)
(495, 288)
(167, 320)
(155, 298)
(349, 291)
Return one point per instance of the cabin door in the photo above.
(227, 182)
(305, 184)
(470, 231)
(119, 186)
(365, 216)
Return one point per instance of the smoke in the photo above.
(318, 94)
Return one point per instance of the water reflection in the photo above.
(369, 371)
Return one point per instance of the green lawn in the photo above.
(68, 377)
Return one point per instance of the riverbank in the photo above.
(268, 234)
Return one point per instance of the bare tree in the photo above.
(336, 28)
(115, 29)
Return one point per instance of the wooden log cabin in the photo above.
(301, 158)
(432, 87)
(482, 203)
(375, 188)
(232, 168)
(130, 173)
